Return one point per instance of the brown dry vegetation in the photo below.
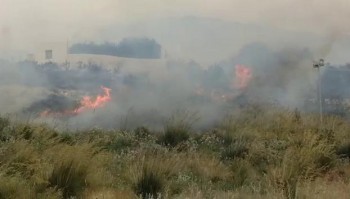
(255, 153)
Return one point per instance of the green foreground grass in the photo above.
(254, 153)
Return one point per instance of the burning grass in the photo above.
(258, 153)
(86, 103)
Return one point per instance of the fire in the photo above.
(243, 76)
(86, 103)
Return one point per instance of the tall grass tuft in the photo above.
(72, 166)
(308, 157)
(149, 185)
(12, 187)
(178, 127)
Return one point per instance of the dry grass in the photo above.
(108, 194)
(255, 153)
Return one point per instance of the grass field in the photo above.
(254, 153)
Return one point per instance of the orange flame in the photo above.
(100, 101)
(243, 76)
(87, 103)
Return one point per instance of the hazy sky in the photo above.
(39, 19)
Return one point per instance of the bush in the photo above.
(69, 177)
(20, 158)
(66, 137)
(174, 135)
(237, 149)
(27, 132)
(149, 185)
(72, 166)
(142, 132)
(120, 144)
(205, 167)
(308, 157)
(178, 128)
(343, 150)
(150, 172)
(14, 187)
(243, 173)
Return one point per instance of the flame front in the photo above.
(243, 76)
(100, 101)
(86, 103)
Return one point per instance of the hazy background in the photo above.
(201, 42)
(25, 23)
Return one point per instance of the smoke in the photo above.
(55, 20)
(276, 41)
(257, 73)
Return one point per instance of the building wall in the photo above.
(59, 52)
(155, 68)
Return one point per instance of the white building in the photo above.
(51, 52)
